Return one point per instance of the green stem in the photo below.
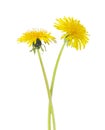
(51, 110)
(53, 80)
(49, 117)
(55, 68)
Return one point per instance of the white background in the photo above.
(79, 91)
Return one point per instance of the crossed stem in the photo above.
(51, 110)
(50, 90)
(52, 83)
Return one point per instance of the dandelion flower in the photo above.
(36, 36)
(75, 33)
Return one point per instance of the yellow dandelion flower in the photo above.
(75, 33)
(31, 37)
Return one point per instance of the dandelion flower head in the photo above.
(75, 34)
(31, 37)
